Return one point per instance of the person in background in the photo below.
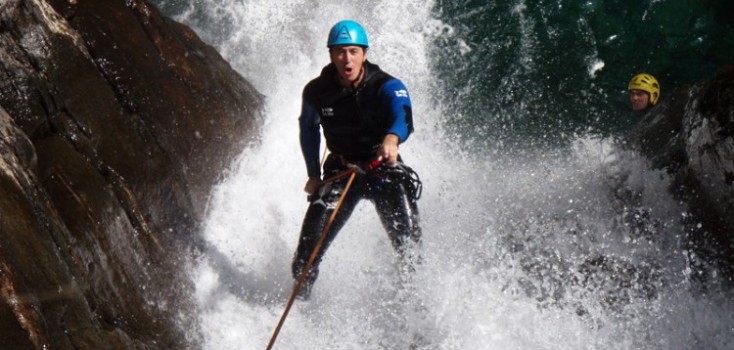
(644, 92)
(365, 115)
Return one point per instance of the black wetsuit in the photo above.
(355, 123)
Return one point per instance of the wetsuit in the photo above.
(355, 123)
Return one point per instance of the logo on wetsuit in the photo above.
(327, 112)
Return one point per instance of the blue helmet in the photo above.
(347, 32)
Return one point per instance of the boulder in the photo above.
(691, 135)
(116, 123)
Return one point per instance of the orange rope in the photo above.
(316, 250)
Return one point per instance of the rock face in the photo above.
(115, 123)
(691, 135)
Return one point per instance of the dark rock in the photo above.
(691, 135)
(116, 123)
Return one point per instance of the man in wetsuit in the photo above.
(365, 114)
(644, 92)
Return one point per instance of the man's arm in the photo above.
(395, 95)
(310, 139)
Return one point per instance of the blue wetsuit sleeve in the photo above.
(395, 95)
(310, 138)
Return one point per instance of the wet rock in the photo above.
(116, 122)
(691, 135)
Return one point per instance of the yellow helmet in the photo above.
(647, 83)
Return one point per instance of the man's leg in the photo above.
(319, 211)
(398, 211)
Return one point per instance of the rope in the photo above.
(316, 250)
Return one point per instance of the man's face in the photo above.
(348, 61)
(639, 99)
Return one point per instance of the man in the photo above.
(644, 92)
(365, 114)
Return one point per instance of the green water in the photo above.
(520, 70)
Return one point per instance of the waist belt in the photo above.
(365, 165)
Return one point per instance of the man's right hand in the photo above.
(313, 184)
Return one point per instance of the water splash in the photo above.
(577, 247)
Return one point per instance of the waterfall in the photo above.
(574, 247)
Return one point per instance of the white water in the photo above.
(499, 231)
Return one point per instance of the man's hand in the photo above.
(388, 151)
(312, 185)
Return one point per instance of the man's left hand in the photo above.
(389, 149)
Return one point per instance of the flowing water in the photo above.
(539, 231)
